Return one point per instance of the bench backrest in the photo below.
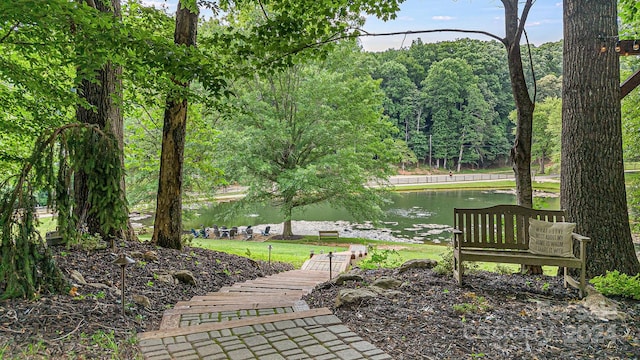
(499, 227)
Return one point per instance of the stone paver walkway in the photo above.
(261, 319)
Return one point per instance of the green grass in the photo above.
(296, 252)
(479, 185)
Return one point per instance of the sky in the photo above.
(543, 25)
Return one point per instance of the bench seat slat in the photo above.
(517, 257)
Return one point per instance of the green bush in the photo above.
(378, 259)
(445, 264)
(617, 284)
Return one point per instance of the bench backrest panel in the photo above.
(499, 227)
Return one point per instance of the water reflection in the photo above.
(419, 215)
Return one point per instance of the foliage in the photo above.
(477, 304)
(378, 259)
(27, 266)
(618, 284)
(405, 71)
(503, 269)
(446, 262)
(545, 142)
(316, 134)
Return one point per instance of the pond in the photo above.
(418, 215)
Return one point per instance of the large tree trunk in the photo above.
(521, 150)
(168, 222)
(103, 92)
(593, 189)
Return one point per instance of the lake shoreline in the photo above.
(345, 228)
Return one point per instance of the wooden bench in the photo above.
(500, 234)
(328, 234)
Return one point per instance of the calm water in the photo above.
(422, 215)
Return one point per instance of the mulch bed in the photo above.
(79, 327)
(492, 317)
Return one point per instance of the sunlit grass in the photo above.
(480, 185)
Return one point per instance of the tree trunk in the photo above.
(460, 156)
(593, 189)
(287, 231)
(541, 164)
(102, 92)
(167, 229)
(521, 150)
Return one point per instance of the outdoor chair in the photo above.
(233, 232)
(266, 231)
(224, 232)
(248, 233)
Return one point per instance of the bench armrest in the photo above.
(456, 232)
(582, 242)
(580, 238)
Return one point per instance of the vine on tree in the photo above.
(28, 267)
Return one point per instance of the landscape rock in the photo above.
(354, 296)
(600, 306)
(150, 255)
(165, 278)
(342, 278)
(99, 285)
(136, 255)
(417, 264)
(185, 276)
(77, 277)
(387, 283)
(142, 300)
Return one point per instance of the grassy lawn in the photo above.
(480, 185)
(296, 252)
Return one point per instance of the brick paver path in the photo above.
(261, 319)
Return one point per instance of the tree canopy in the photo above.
(311, 133)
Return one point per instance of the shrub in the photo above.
(617, 284)
(381, 259)
(503, 269)
(445, 265)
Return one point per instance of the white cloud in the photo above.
(442, 18)
(405, 18)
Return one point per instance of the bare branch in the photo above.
(479, 32)
(263, 10)
(533, 72)
(9, 32)
(363, 33)
(523, 20)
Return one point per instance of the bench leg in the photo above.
(566, 273)
(457, 269)
(583, 282)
